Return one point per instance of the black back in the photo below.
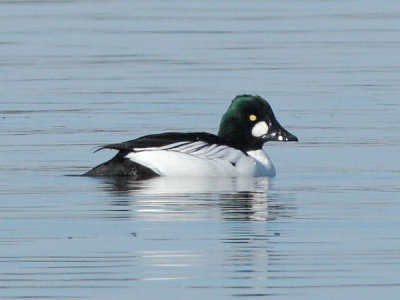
(163, 139)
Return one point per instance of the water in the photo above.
(76, 74)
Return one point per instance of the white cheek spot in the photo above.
(260, 129)
(280, 138)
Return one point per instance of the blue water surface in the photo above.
(77, 74)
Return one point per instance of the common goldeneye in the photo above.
(236, 151)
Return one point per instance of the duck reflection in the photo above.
(196, 198)
(218, 226)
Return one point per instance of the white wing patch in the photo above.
(166, 147)
(199, 149)
(197, 159)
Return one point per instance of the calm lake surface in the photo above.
(77, 74)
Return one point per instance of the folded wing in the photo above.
(179, 154)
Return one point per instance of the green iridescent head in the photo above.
(249, 122)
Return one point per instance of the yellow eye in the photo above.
(253, 118)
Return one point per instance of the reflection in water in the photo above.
(217, 226)
(180, 186)
(189, 198)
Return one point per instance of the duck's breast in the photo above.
(264, 166)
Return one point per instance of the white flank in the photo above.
(199, 159)
(260, 129)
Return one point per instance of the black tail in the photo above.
(120, 166)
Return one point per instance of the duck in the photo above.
(236, 151)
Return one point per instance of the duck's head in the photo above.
(249, 122)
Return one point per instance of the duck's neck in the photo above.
(240, 141)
